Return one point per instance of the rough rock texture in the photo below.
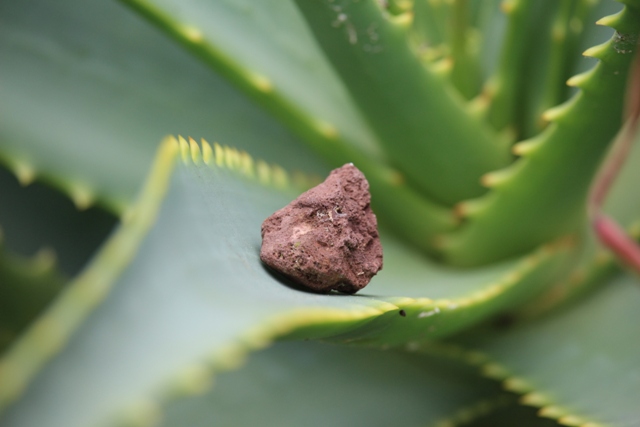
(328, 237)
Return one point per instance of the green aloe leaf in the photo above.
(27, 285)
(104, 88)
(508, 414)
(285, 71)
(597, 265)
(125, 104)
(193, 290)
(577, 363)
(333, 385)
(446, 32)
(526, 21)
(553, 59)
(578, 366)
(422, 123)
(36, 217)
(177, 298)
(540, 197)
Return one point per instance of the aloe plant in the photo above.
(480, 128)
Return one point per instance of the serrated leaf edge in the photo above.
(510, 381)
(49, 333)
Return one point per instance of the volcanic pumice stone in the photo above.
(326, 239)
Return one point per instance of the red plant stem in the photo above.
(608, 231)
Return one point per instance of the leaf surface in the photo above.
(580, 364)
(27, 285)
(540, 196)
(420, 119)
(104, 87)
(36, 217)
(294, 384)
(193, 290)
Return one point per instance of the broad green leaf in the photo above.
(491, 24)
(421, 121)
(36, 217)
(266, 49)
(437, 21)
(594, 35)
(466, 74)
(88, 89)
(429, 26)
(579, 366)
(193, 290)
(505, 89)
(27, 285)
(542, 195)
(597, 265)
(309, 384)
(411, 216)
(551, 60)
(509, 414)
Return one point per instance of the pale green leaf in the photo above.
(149, 310)
(88, 89)
(422, 122)
(580, 364)
(36, 217)
(309, 384)
(264, 46)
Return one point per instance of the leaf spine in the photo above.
(193, 34)
(553, 412)
(597, 51)
(497, 178)
(264, 173)
(610, 20)
(494, 371)
(260, 82)
(219, 154)
(534, 399)
(231, 157)
(207, 152)
(571, 420)
(527, 147)
(327, 130)
(194, 148)
(24, 172)
(280, 178)
(83, 197)
(403, 20)
(185, 152)
(517, 385)
(143, 413)
(580, 79)
(246, 164)
(194, 380)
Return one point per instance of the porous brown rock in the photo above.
(326, 239)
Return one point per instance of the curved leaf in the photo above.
(421, 121)
(410, 215)
(196, 292)
(554, 53)
(579, 366)
(540, 197)
(295, 384)
(103, 88)
(597, 265)
(504, 90)
(266, 49)
(37, 217)
(27, 285)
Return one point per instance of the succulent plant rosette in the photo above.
(143, 144)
